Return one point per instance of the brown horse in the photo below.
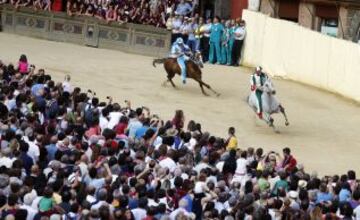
(193, 71)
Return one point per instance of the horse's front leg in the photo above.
(266, 118)
(270, 122)
(282, 110)
(207, 86)
(170, 80)
(202, 89)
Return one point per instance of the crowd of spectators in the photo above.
(66, 155)
(149, 12)
(220, 41)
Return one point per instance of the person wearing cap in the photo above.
(257, 81)
(239, 36)
(217, 30)
(179, 51)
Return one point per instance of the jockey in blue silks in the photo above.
(179, 50)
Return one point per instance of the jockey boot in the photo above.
(260, 115)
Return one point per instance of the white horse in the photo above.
(270, 104)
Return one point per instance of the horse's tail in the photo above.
(158, 61)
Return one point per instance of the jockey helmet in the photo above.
(179, 40)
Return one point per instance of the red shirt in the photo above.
(290, 162)
(120, 128)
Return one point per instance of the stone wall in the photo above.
(306, 15)
(139, 39)
(343, 24)
(350, 21)
(269, 7)
(353, 25)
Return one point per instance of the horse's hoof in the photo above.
(287, 123)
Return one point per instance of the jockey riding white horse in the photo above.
(270, 104)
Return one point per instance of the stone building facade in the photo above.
(340, 18)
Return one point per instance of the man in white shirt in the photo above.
(28, 198)
(205, 29)
(66, 85)
(140, 212)
(202, 165)
(33, 151)
(241, 168)
(168, 163)
(181, 210)
(102, 196)
(114, 116)
(165, 160)
(134, 125)
(357, 212)
(5, 159)
(103, 119)
(239, 36)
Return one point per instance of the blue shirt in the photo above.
(133, 127)
(189, 200)
(190, 28)
(216, 32)
(97, 183)
(141, 131)
(40, 102)
(344, 195)
(177, 142)
(133, 203)
(51, 150)
(36, 88)
(183, 9)
(323, 197)
(27, 162)
(178, 50)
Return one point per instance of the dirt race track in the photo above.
(324, 132)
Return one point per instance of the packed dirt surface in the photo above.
(324, 132)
